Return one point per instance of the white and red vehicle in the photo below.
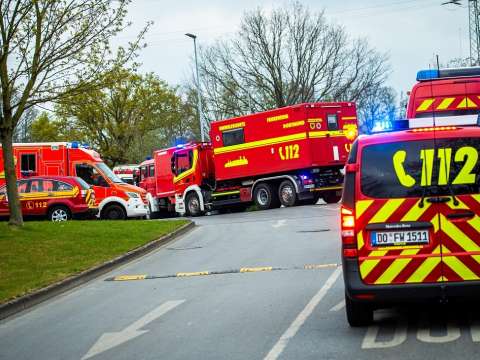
(115, 199)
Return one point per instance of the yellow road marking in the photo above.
(197, 273)
(129, 277)
(256, 269)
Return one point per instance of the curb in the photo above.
(27, 301)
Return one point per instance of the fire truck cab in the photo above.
(115, 199)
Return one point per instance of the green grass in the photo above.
(41, 253)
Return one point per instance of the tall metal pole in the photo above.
(199, 98)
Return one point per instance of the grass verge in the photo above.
(42, 253)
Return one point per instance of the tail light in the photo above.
(349, 242)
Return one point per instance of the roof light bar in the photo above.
(438, 128)
(433, 74)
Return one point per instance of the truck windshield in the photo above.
(404, 169)
(107, 172)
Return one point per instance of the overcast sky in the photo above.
(409, 31)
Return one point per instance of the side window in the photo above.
(36, 186)
(48, 185)
(332, 121)
(144, 172)
(183, 161)
(61, 186)
(28, 164)
(22, 187)
(90, 175)
(233, 137)
(151, 170)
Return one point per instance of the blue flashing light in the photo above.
(75, 145)
(85, 145)
(148, 158)
(424, 75)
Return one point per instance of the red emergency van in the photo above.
(115, 199)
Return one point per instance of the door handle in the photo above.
(461, 215)
(438, 200)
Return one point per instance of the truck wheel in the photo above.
(358, 314)
(59, 213)
(192, 204)
(331, 198)
(287, 194)
(265, 197)
(114, 212)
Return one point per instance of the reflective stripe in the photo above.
(445, 103)
(260, 143)
(416, 211)
(467, 103)
(368, 265)
(425, 104)
(396, 267)
(362, 206)
(386, 211)
(426, 267)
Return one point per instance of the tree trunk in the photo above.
(16, 218)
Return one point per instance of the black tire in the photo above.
(192, 204)
(265, 197)
(114, 212)
(287, 194)
(358, 314)
(331, 197)
(59, 213)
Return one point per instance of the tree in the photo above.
(43, 129)
(377, 109)
(49, 48)
(126, 118)
(289, 56)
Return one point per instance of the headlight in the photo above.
(133, 195)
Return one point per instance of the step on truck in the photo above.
(288, 156)
(115, 199)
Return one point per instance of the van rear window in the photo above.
(407, 169)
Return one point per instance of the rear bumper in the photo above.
(405, 293)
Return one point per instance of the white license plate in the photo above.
(399, 238)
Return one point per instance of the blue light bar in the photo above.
(424, 75)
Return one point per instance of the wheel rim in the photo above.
(287, 194)
(193, 206)
(262, 197)
(59, 215)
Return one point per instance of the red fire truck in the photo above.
(156, 177)
(288, 156)
(115, 199)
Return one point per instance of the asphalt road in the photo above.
(294, 313)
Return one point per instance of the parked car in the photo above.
(59, 198)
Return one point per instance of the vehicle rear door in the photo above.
(459, 220)
(398, 238)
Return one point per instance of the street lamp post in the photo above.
(199, 99)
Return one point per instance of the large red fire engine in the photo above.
(115, 199)
(286, 156)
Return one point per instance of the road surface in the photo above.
(293, 310)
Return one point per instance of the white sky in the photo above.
(410, 31)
